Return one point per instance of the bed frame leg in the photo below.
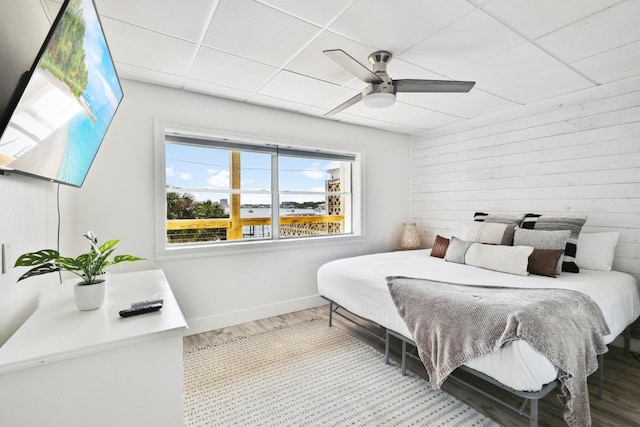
(330, 314)
(404, 358)
(600, 375)
(627, 341)
(533, 416)
(386, 346)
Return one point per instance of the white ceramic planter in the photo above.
(90, 297)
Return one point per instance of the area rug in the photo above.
(310, 374)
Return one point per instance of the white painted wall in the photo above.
(577, 154)
(27, 223)
(117, 201)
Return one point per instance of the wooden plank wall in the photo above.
(577, 154)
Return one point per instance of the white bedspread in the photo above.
(358, 284)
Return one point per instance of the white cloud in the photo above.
(219, 180)
(314, 172)
(186, 176)
(169, 171)
(333, 165)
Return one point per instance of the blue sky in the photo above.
(102, 77)
(197, 167)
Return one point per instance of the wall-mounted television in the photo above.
(71, 96)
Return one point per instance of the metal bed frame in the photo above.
(409, 349)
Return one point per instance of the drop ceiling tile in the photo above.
(306, 90)
(317, 12)
(313, 111)
(398, 25)
(477, 104)
(432, 100)
(52, 9)
(468, 41)
(150, 50)
(216, 90)
(312, 62)
(270, 101)
(223, 69)
(513, 65)
(548, 84)
(612, 65)
(403, 114)
(132, 72)
(257, 32)
(537, 18)
(378, 124)
(399, 69)
(466, 105)
(609, 29)
(184, 19)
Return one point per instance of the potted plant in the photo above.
(91, 267)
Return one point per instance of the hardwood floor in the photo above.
(619, 406)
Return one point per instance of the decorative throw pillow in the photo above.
(541, 239)
(490, 232)
(457, 250)
(507, 259)
(544, 262)
(512, 219)
(596, 250)
(515, 219)
(549, 222)
(440, 247)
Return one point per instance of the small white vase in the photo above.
(90, 297)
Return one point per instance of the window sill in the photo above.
(239, 248)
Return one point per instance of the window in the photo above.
(220, 191)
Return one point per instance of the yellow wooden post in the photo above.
(235, 232)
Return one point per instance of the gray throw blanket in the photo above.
(453, 323)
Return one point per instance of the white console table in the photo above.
(66, 367)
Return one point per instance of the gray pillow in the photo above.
(563, 222)
(542, 239)
(457, 250)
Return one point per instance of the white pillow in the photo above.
(507, 259)
(595, 250)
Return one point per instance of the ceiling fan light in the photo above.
(379, 100)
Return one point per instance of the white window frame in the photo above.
(165, 251)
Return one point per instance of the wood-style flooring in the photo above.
(619, 406)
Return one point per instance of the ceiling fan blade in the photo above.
(352, 65)
(345, 104)
(415, 85)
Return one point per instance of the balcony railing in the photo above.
(227, 223)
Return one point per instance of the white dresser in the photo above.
(66, 367)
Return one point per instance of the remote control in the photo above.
(140, 309)
(147, 302)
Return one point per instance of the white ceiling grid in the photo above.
(269, 52)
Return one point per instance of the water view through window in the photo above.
(218, 192)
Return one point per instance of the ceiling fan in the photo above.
(381, 89)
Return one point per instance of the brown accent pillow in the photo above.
(440, 247)
(543, 262)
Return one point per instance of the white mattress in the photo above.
(359, 285)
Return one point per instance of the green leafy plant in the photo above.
(88, 266)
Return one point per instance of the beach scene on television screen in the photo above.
(68, 104)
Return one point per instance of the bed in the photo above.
(359, 286)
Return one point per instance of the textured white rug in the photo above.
(309, 374)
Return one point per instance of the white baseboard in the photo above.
(209, 323)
